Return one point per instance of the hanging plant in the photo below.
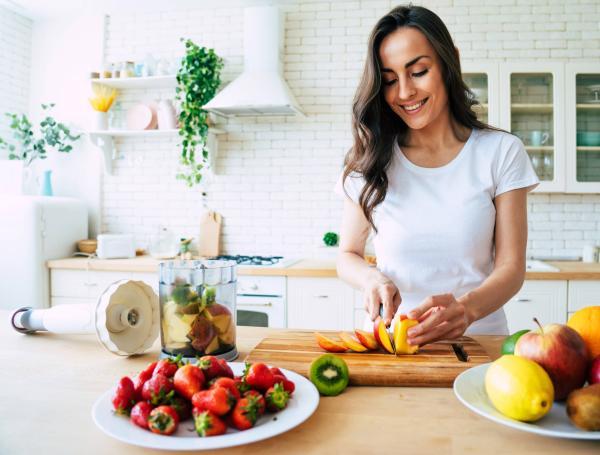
(198, 79)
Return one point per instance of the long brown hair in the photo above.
(375, 127)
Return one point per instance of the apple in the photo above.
(561, 351)
(594, 375)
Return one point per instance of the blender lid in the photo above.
(127, 317)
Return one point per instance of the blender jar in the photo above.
(197, 308)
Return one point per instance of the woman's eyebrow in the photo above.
(412, 62)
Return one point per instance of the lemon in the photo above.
(519, 388)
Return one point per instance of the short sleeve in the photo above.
(514, 169)
(352, 185)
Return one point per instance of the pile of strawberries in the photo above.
(168, 392)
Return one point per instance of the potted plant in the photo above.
(198, 79)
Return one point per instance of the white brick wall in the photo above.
(15, 63)
(275, 175)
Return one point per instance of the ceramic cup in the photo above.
(539, 138)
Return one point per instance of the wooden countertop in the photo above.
(304, 268)
(50, 382)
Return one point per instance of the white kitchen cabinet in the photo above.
(482, 79)
(532, 106)
(545, 300)
(319, 304)
(583, 127)
(85, 286)
(583, 293)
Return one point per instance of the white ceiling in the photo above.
(42, 9)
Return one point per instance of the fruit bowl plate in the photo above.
(469, 388)
(302, 405)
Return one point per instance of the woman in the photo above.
(444, 193)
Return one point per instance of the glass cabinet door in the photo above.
(535, 105)
(482, 80)
(587, 130)
(478, 84)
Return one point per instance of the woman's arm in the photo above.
(352, 267)
(453, 316)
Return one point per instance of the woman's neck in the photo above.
(442, 134)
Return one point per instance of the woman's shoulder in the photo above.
(498, 140)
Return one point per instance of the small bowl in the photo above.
(87, 246)
(588, 138)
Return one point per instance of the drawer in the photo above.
(261, 285)
(360, 320)
(82, 283)
(71, 301)
(544, 300)
(151, 279)
(583, 293)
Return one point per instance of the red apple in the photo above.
(594, 375)
(561, 351)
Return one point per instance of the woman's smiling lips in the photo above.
(414, 108)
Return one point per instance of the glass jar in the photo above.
(197, 308)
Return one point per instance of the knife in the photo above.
(460, 352)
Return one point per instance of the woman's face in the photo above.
(412, 77)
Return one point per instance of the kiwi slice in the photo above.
(329, 373)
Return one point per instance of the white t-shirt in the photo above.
(436, 225)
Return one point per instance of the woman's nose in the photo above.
(406, 90)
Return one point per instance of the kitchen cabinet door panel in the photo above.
(319, 304)
(544, 300)
(583, 293)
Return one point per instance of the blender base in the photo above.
(229, 356)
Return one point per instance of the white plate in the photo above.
(470, 389)
(301, 406)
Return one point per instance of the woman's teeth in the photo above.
(414, 107)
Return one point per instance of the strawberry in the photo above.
(188, 380)
(182, 407)
(144, 375)
(168, 366)
(228, 383)
(218, 400)
(245, 413)
(241, 384)
(276, 370)
(258, 376)
(140, 413)
(210, 366)
(288, 385)
(227, 371)
(158, 389)
(208, 424)
(124, 397)
(260, 400)
(163, 420)
(277, 398)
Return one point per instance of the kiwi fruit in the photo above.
(329, 373)
(583, 407)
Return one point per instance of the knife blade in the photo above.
(460, 352)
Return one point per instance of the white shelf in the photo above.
(105, 140)
(138, 82)
(539, 148)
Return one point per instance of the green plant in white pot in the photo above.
(28, 146)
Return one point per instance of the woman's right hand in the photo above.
(380, 290)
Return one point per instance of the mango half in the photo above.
(401, 344)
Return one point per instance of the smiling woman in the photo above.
(444, 193)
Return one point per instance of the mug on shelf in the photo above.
(539, 138)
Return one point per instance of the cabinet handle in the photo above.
(90, 284)
(254, 287)
(321, 296)
(522, 300)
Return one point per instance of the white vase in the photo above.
(167, 118)
(100, 121)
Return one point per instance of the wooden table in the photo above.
(49, 383)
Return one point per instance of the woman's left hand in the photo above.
(440, 317)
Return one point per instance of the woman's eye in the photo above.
(422, 73)
(389, 82)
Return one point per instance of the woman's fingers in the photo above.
(432, 301)
(434, 319)
(373, 305)
(387, 297)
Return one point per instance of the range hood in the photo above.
(261, 88)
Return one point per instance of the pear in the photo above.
(583, 407)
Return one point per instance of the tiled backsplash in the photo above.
(15, 55)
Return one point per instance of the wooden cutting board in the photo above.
(435, 365)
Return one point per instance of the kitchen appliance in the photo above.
(115, 246)
(33, 230)
(261, 300)
(198, 308)
(261, 88)
(125, 318)
(435, 365)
